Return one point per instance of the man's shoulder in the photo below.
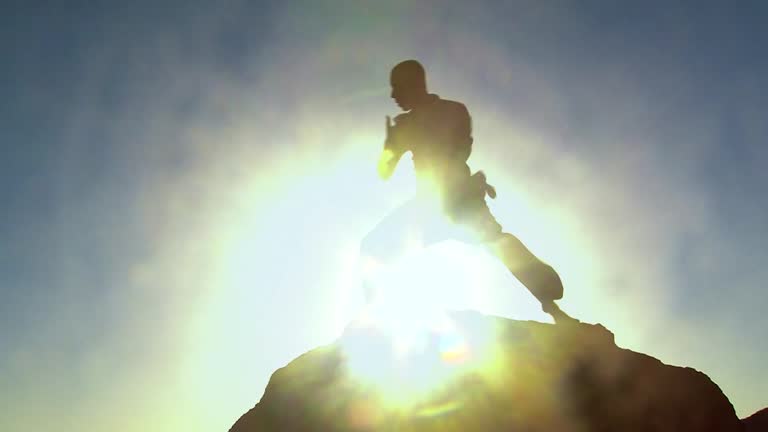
(439, 107)
(451, 107)
(450, 103)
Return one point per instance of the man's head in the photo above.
(409, 84)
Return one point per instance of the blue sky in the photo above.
(182, 186)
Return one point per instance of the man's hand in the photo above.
(391, 154)
(389, 129)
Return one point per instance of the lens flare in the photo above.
(406, 347)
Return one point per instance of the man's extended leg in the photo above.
(395, 234)
(540, 278)
(537, 276)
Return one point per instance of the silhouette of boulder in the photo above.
(492, 374)
(757, 422)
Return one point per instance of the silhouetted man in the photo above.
(438, 134)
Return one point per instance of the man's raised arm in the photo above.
(393, 151)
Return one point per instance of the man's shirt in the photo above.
(439, 136)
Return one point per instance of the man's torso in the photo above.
(439, 137)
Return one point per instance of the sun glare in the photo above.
(279, 237)
(408, 364)
(418, 349)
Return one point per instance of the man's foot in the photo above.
(560, 317)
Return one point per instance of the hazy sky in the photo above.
(184, 187)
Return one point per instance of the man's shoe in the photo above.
(560, 317)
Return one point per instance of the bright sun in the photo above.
(294, 234)
(424, 349)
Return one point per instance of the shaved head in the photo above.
(409, 73)
(409, 83)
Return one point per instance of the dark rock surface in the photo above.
(757, 422)
(494, 374)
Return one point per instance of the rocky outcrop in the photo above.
(757, 422)
(487, 374)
